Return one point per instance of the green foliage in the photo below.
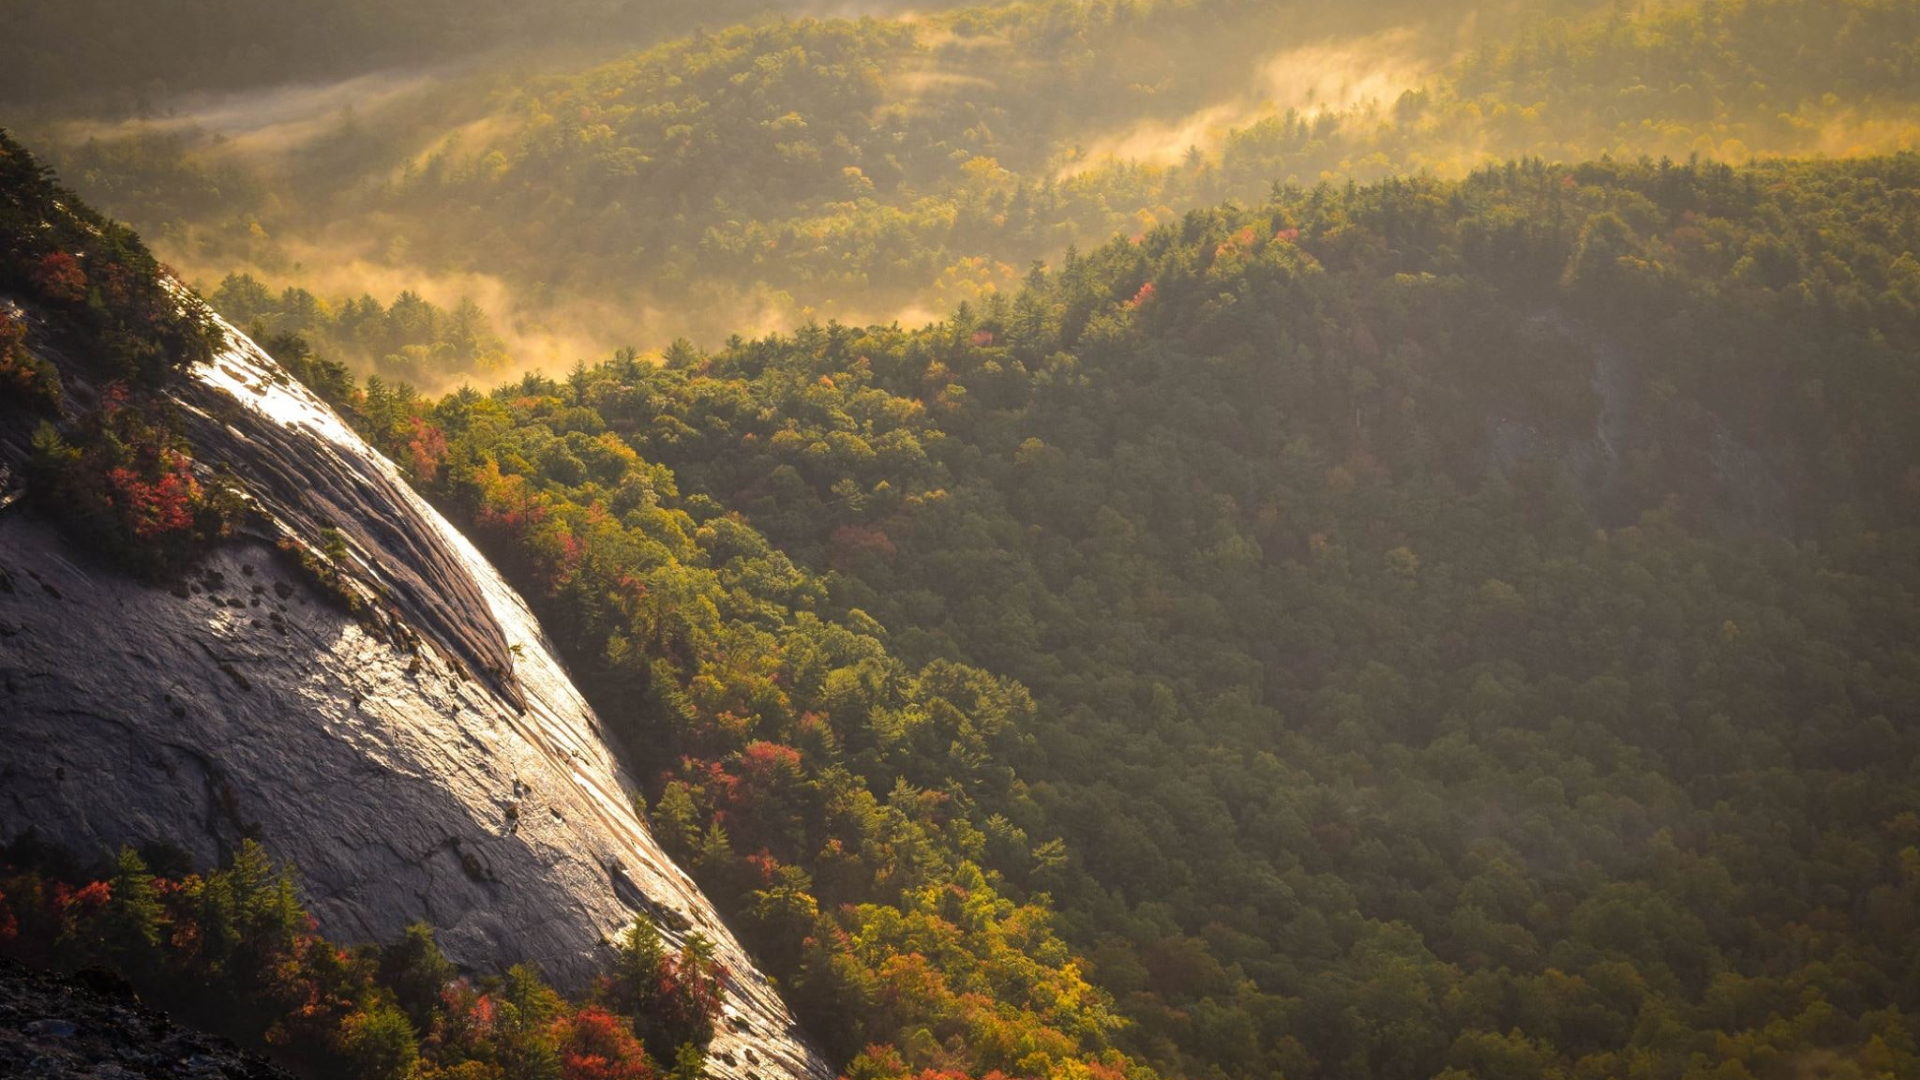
(1435, 628)
(134, 917)
(117, 475)
(329, 379)
(233, 951)
(416, 971)
(124, 484)
(24, 376)
(1456, 627)
(96, 282)
(867, 169)
(824, 792)
(325, 568)
(379, 1043)
(410, 341)
(675, 999)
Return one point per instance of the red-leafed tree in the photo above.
(853, 546)
(596, 1044)
(59, 279)
(159, 506)
(427, 448)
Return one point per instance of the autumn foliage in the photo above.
(595, 1044)
(158, 507)
(120, 475)
(24, 376)
(129, 486)
(425, 450)
(100, 288)
(234, 951)
(58, 279)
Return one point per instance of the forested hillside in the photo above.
(869, 169)
(1423, 629)
(1186, 538)
(877, 160)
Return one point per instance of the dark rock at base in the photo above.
(89, 1026)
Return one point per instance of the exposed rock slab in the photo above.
(465, 784)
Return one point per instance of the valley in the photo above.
(1062, 540)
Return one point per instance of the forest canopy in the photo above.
(1422, 629)
(1193, 539)
(881, 168)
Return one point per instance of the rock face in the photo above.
(1741, 489)
(437, 767)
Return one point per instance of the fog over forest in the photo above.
(1055, 539)
(888, 167)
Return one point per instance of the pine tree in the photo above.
(131, 929)
(414, 969)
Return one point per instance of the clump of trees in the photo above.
(25, 377)
(124, 483)
(1424, 628)
(842, 807)
(411, 340)
(116, 472)
(94, 279)
(232, 950)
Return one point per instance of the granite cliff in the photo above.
(425, 758)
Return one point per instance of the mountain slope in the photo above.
(891, 168)
(1461, 629)
(394, 723)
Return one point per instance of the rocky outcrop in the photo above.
(1736, 488)
(90, 1027)
(434, 765)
